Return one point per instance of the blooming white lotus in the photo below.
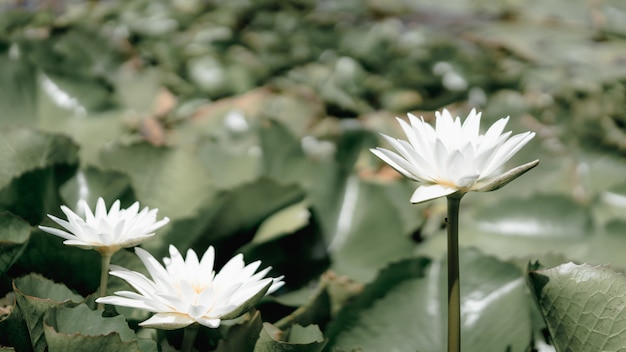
(454, 157)
(188, 291)
(106, 232)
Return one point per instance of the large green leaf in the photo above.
(46, 254)
(18, 94)
(531, 226)
(370, 230)
(404, 308)
(35, 296)
(79, 328)
(583, 306)
(166, 178)
(14, 234)
(320, 176)
(231, 218)
(247, 206)
(89, 184)
(34, 163)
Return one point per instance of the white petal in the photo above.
(494, 131)
(455, 167)
(441, 159)
(393, 160)
(89, 217)
(156, 270)
(428, 192)
(506, 152)
(80, 244)
(191, 261)
(168, 321)
(471, 126)
(101, 210)
(278, 283)
(125, 302)
(400, 164)
(208, 258)
(57, 232)
(209, 322)
(137, 280)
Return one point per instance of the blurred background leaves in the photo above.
(249, 123)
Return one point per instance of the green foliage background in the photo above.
(248, 124)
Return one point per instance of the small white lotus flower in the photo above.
(188, 291)
(454, 157)
(106, 232)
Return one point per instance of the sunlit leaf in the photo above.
(583, 306)
(169, 179)
(370, 232)
(283, 222)
(522, 227)
(90, 184)
(406, 307)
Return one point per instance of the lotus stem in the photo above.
(189, 337)
(454, 296)
(104, 276)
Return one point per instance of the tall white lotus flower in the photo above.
(104, 231)
(454, 157)
(187, 291)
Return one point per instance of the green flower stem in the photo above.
(104, 276)
(454, 297)
(189, 337)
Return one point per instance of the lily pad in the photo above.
(523, 227)
(404, 308)
(35, 296)
(66, 329)
(297, 338)
(583, 306)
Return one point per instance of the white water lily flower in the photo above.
(104, 231)
(454, 157)
(188, 291)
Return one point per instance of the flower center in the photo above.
(198, 288)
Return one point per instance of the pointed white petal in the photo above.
(209, 322)
(125, 302)
(57, 232)
(168, 321)
(156, 270)
(208, 258)
(471, 126)
(494, 131)
(506, 152)
(415, 162)
(396, 162)
(429, 192)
